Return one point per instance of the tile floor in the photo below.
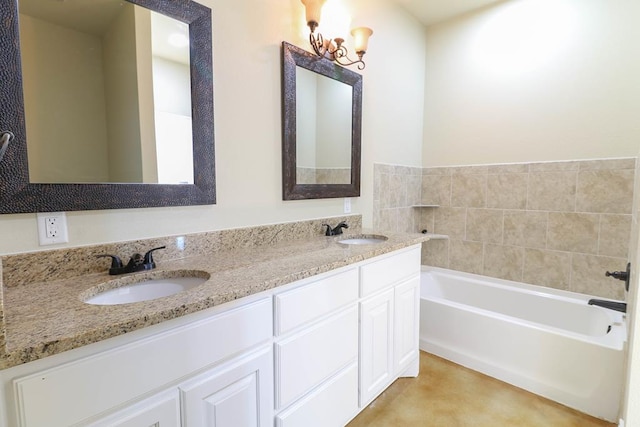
(449, 395)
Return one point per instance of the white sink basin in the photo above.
(145, 291)
(363, 240)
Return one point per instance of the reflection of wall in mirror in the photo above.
(172, 88)
(89, 99)
(68, 117)
(323, 129)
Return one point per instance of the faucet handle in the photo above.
(148, 257)
(116, 262)
(329, 231)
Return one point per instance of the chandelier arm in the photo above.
(340, 54)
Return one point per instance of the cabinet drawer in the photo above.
(331, 405)
(388, 271)
(306, 359)
(308, 302)
(75, 391)
(162, 410)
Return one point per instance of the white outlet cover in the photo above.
(61, 226)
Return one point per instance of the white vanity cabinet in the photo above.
(192, 364)
(389, 321)
(316, 351)
(311, 353)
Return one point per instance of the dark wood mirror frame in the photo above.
(293, 56)
(18, 195)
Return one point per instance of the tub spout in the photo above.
(612, 305)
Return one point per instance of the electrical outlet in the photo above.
(347, 205)
(52, 228)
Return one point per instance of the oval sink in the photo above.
(144, 291)
(369, 239)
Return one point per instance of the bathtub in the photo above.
(546, 341)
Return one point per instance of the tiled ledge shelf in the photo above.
(425, 206)
(432, 236)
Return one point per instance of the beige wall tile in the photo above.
(554, 166)
(484, 225)
(435, 253)
(547, 268)
(377, 178)
(466, 256)
(573, 232)
(526, 228)
(552, 191)
(473, 170)
(376, 215)
(468, 190)
(507, 191)
(609, 191)
(450, 221)
(509, 168)
(388, 219)
(436, 190)
(503, 262)
(615, 233)
(398, 191)
(414, 189)
(436, 171)
(385, 192)
(406, 220)
(427, 219)
(588, 276)
(628, 163)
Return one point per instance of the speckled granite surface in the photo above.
(42, 318)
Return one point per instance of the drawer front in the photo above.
(308, 358)
(75, 391)
(388, 271)
(162, 410)
(308, 302)
(331, 405)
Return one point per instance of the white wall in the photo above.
(247, 37)
(534, 80)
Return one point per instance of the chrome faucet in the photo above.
(137, 262)
(335, 231)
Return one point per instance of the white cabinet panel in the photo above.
(298, 306)
(78, 390)
(388, 271)
(235, 394)
(162, 410)
(331, 405)
(407, 321)
(305, 359)
(376, 345)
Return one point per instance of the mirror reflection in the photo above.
(323, 129)
(106, 93)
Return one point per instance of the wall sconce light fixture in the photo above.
(334, 49)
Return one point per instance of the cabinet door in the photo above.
(162, 410)
(235, 394)
(376, 345)
(407, 320)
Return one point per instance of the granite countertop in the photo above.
(42, 319)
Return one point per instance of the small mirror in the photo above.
(322, 104)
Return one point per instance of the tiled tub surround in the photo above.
(556, 224)
(47, 317)
(560, 224)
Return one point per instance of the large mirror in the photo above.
(322, 109)
(110, 102)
